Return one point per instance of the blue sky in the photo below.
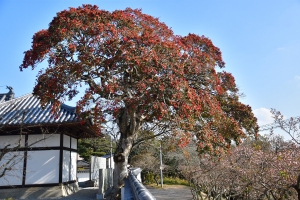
(259, 39)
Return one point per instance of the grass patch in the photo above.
(150, 178)
(175, 181)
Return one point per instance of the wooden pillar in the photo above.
(25, 161)
(61, 157)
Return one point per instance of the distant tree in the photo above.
(150, 164)
(137, 71)
(145, 155)
(291, 126)
(94, 147)
(249, 172)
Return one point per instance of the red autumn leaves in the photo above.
(137, 62)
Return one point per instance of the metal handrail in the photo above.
(140, 192)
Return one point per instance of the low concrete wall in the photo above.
(83, 176)
(105, 181)
(39, 192)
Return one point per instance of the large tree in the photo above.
(138, 72)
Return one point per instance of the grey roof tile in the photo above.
(27, 110)
(2, 97)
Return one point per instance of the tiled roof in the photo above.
(106, 156)
(2, 97)
(27, 110)
(7, 96)
(81, 163)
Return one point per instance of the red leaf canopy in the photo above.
(136, 62)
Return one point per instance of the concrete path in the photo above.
(174, 192)
(88, 193)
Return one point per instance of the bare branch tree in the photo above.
(251, 171)
(291, 126)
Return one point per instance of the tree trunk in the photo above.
(121, 171)
(155, 178)
(129, 125)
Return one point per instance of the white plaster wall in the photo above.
(13, 140)
(81, 177)
(74, 143)
(96, 164)
(66, 166)
(42, 167)
(102, 163)
(66, 141)
(73, 165)
(47, 140)
(112, 162)
(14, 176)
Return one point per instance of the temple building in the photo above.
(38, 156)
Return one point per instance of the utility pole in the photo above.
(110, 160)
(161, 167)
(110, 153)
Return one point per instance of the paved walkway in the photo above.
(174, 192)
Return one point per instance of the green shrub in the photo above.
(175, 181)
(99, 154)
(148, 178)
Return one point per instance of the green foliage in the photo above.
(99, 153)
(148, 178)
(284, 174)
(94, 146)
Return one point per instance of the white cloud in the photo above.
(263, 115)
